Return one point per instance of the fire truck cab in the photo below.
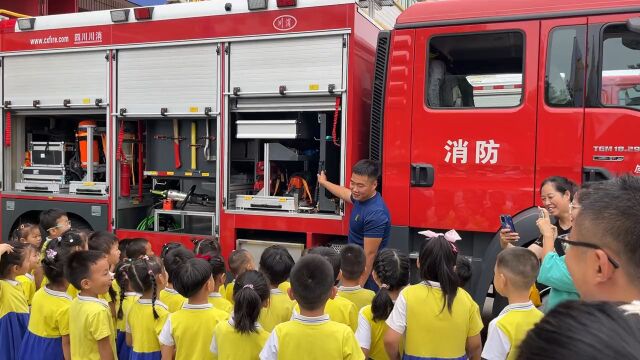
(562, 81)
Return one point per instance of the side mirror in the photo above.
(631, 40)
(633, 24)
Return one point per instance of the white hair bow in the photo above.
(451, 236)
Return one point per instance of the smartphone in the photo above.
(506, 222)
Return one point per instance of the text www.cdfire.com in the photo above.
(50, 40)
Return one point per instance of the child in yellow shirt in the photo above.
(311, 334)
(14, 310)
(147, 315)
(92, 331)
(48, 333)
(516, 270)
(352, 264)
(240, 261)
(188, 331)
(173, 255)
(218, 272)
(438, 306)
(391, 274)
(338, 308)
(276, 263)
(241, 337)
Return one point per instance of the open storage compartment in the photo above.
(176, 105)
(50, 152)
(284, 124)
(178, 193)
(288, 148)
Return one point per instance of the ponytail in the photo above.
(392, 270)
(154, 294)
(250, 292)
(437, 262)
(143, 272)
(123, 281)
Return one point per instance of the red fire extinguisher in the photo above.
(125, 179)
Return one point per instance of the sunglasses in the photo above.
(567, 244)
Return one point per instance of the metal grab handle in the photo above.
(285, 92)
(54, 106)
(167, 114)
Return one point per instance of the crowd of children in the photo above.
(92, 296)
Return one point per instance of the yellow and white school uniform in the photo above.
(71, 290)
(228, 291)
(48, 323)
(339, 310)
(318, 338)
(229, 344)
(130, 298)
(90, 320)
(278, 311)
(357, 295)
(507, 331)
(431, 331)
(284, 286)
(172, 299)
(28, 283)
(220, 303)
(370, 334)
(144, 329)
(124, 350)
(14, 318)
(190, 330)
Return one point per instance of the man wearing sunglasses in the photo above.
(603, 250)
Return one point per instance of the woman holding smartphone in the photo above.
(557, 194)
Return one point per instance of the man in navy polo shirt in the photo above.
(370, 222)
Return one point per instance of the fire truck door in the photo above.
(300, 64)
(53, 80)
(612, 119)
(473, 124)
(561, 93)
(182, 79)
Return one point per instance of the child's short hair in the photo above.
(142, 277)
(311, 281)
(238, 260)
(14, 258)
(331, 256)
(193, 275)
(49, 218)
(207, 245)
(276, 263)
(79, 265)
(463, 270)
(352, 262)
(122, 246)
(520, 265)
(136, 248)
(174, 260)
(55, 256)
(216, 261)
(102, 241)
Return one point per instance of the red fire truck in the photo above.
(209, 118)
(179, 121)
(568, 105)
